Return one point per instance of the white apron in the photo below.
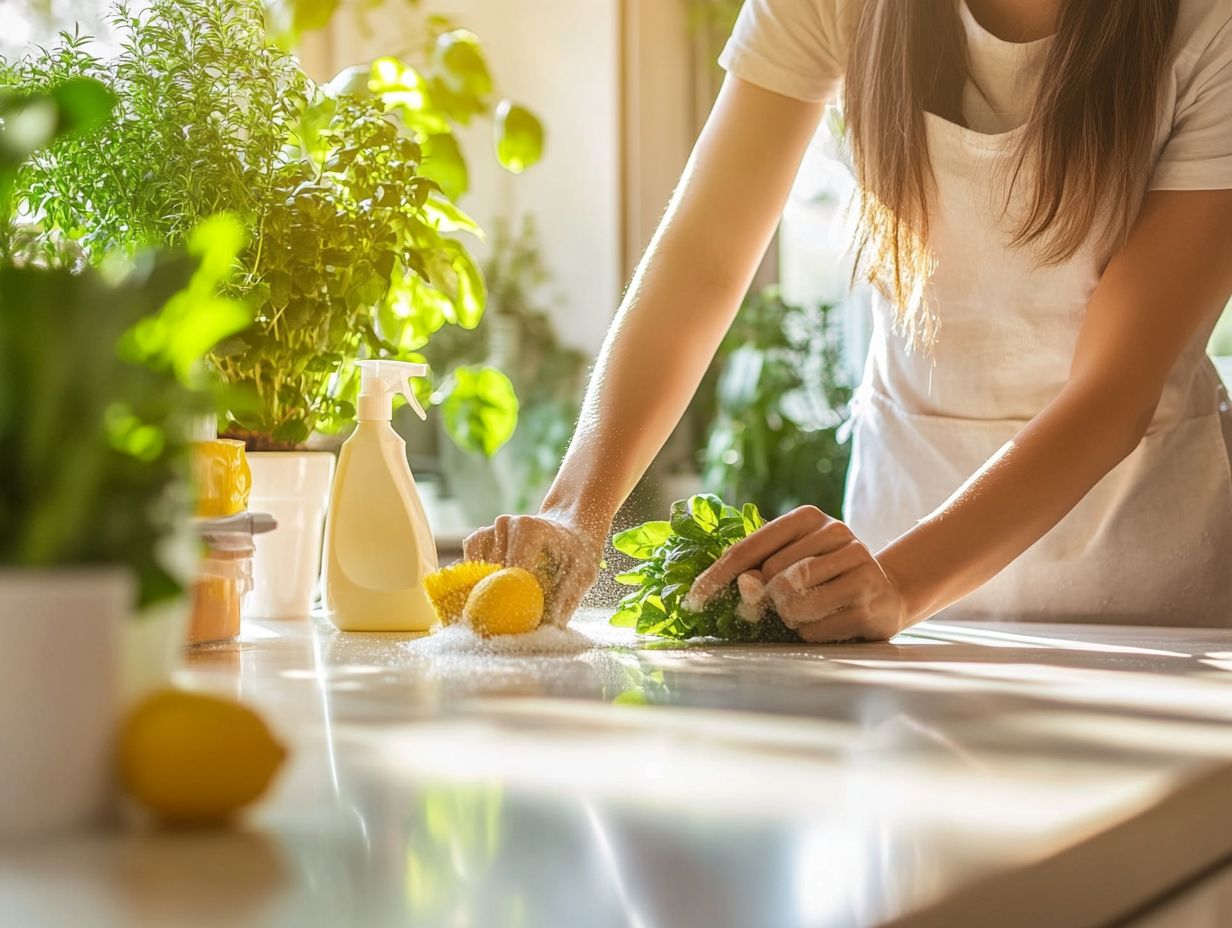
(1151, 544)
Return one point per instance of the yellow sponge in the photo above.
(449, 587)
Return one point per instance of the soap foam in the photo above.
(461, 639)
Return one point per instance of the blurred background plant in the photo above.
(352, 250)
(714, 18)
(100, 370)
(772, 407)
(1221, 338)
(518, 337)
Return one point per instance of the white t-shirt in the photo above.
(799, 48)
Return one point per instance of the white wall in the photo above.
(24, 24)
(661, 121)
(562, 59)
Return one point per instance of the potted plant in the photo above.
(352, 250)
(96, 374)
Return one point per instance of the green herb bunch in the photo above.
(673, 554)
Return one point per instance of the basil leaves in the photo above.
(672, 554)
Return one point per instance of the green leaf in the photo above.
(355, 81)
(640, 542)
(707, 511)
(453, 271)
(404, 89)
(448, 216)
(471, 294)
(631, 698)
(461, 57)
(444, 163)
(627, 617)
(84, 104)
(29, 121)
(519, 137)
(684, 524)
(480, 409)
(653, 619)
(412, 313)
(752, 518)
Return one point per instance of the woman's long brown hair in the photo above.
(1083, 153)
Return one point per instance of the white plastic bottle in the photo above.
(378, 546)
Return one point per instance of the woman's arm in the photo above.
(683, 296)
(682, 299)
(1173, 272)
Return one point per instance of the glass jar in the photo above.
(224, 577)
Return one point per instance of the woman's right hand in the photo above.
(562, 555)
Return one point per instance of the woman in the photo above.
(1046, 210)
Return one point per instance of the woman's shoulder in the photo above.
(1196, 122)
(796, 47)
(1203, 32)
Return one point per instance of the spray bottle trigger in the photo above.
(408, 393)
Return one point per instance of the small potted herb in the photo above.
(95, 374)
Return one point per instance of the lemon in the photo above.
(193, 759)
(508, 602)
(449, 587)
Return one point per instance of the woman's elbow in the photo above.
(1117, 418)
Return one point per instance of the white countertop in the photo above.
(960, 775)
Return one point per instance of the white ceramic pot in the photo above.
(293, 486)
(60, 633)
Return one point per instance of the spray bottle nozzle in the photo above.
(380, 381)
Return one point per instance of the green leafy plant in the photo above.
(672, 554)
(445, 82)
(779, 397)
(98, 373)
(352, 251)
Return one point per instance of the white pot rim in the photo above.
(288, 454)
(290, 475)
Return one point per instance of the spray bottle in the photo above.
(378, 547)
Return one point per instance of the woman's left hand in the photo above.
(823, 582)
